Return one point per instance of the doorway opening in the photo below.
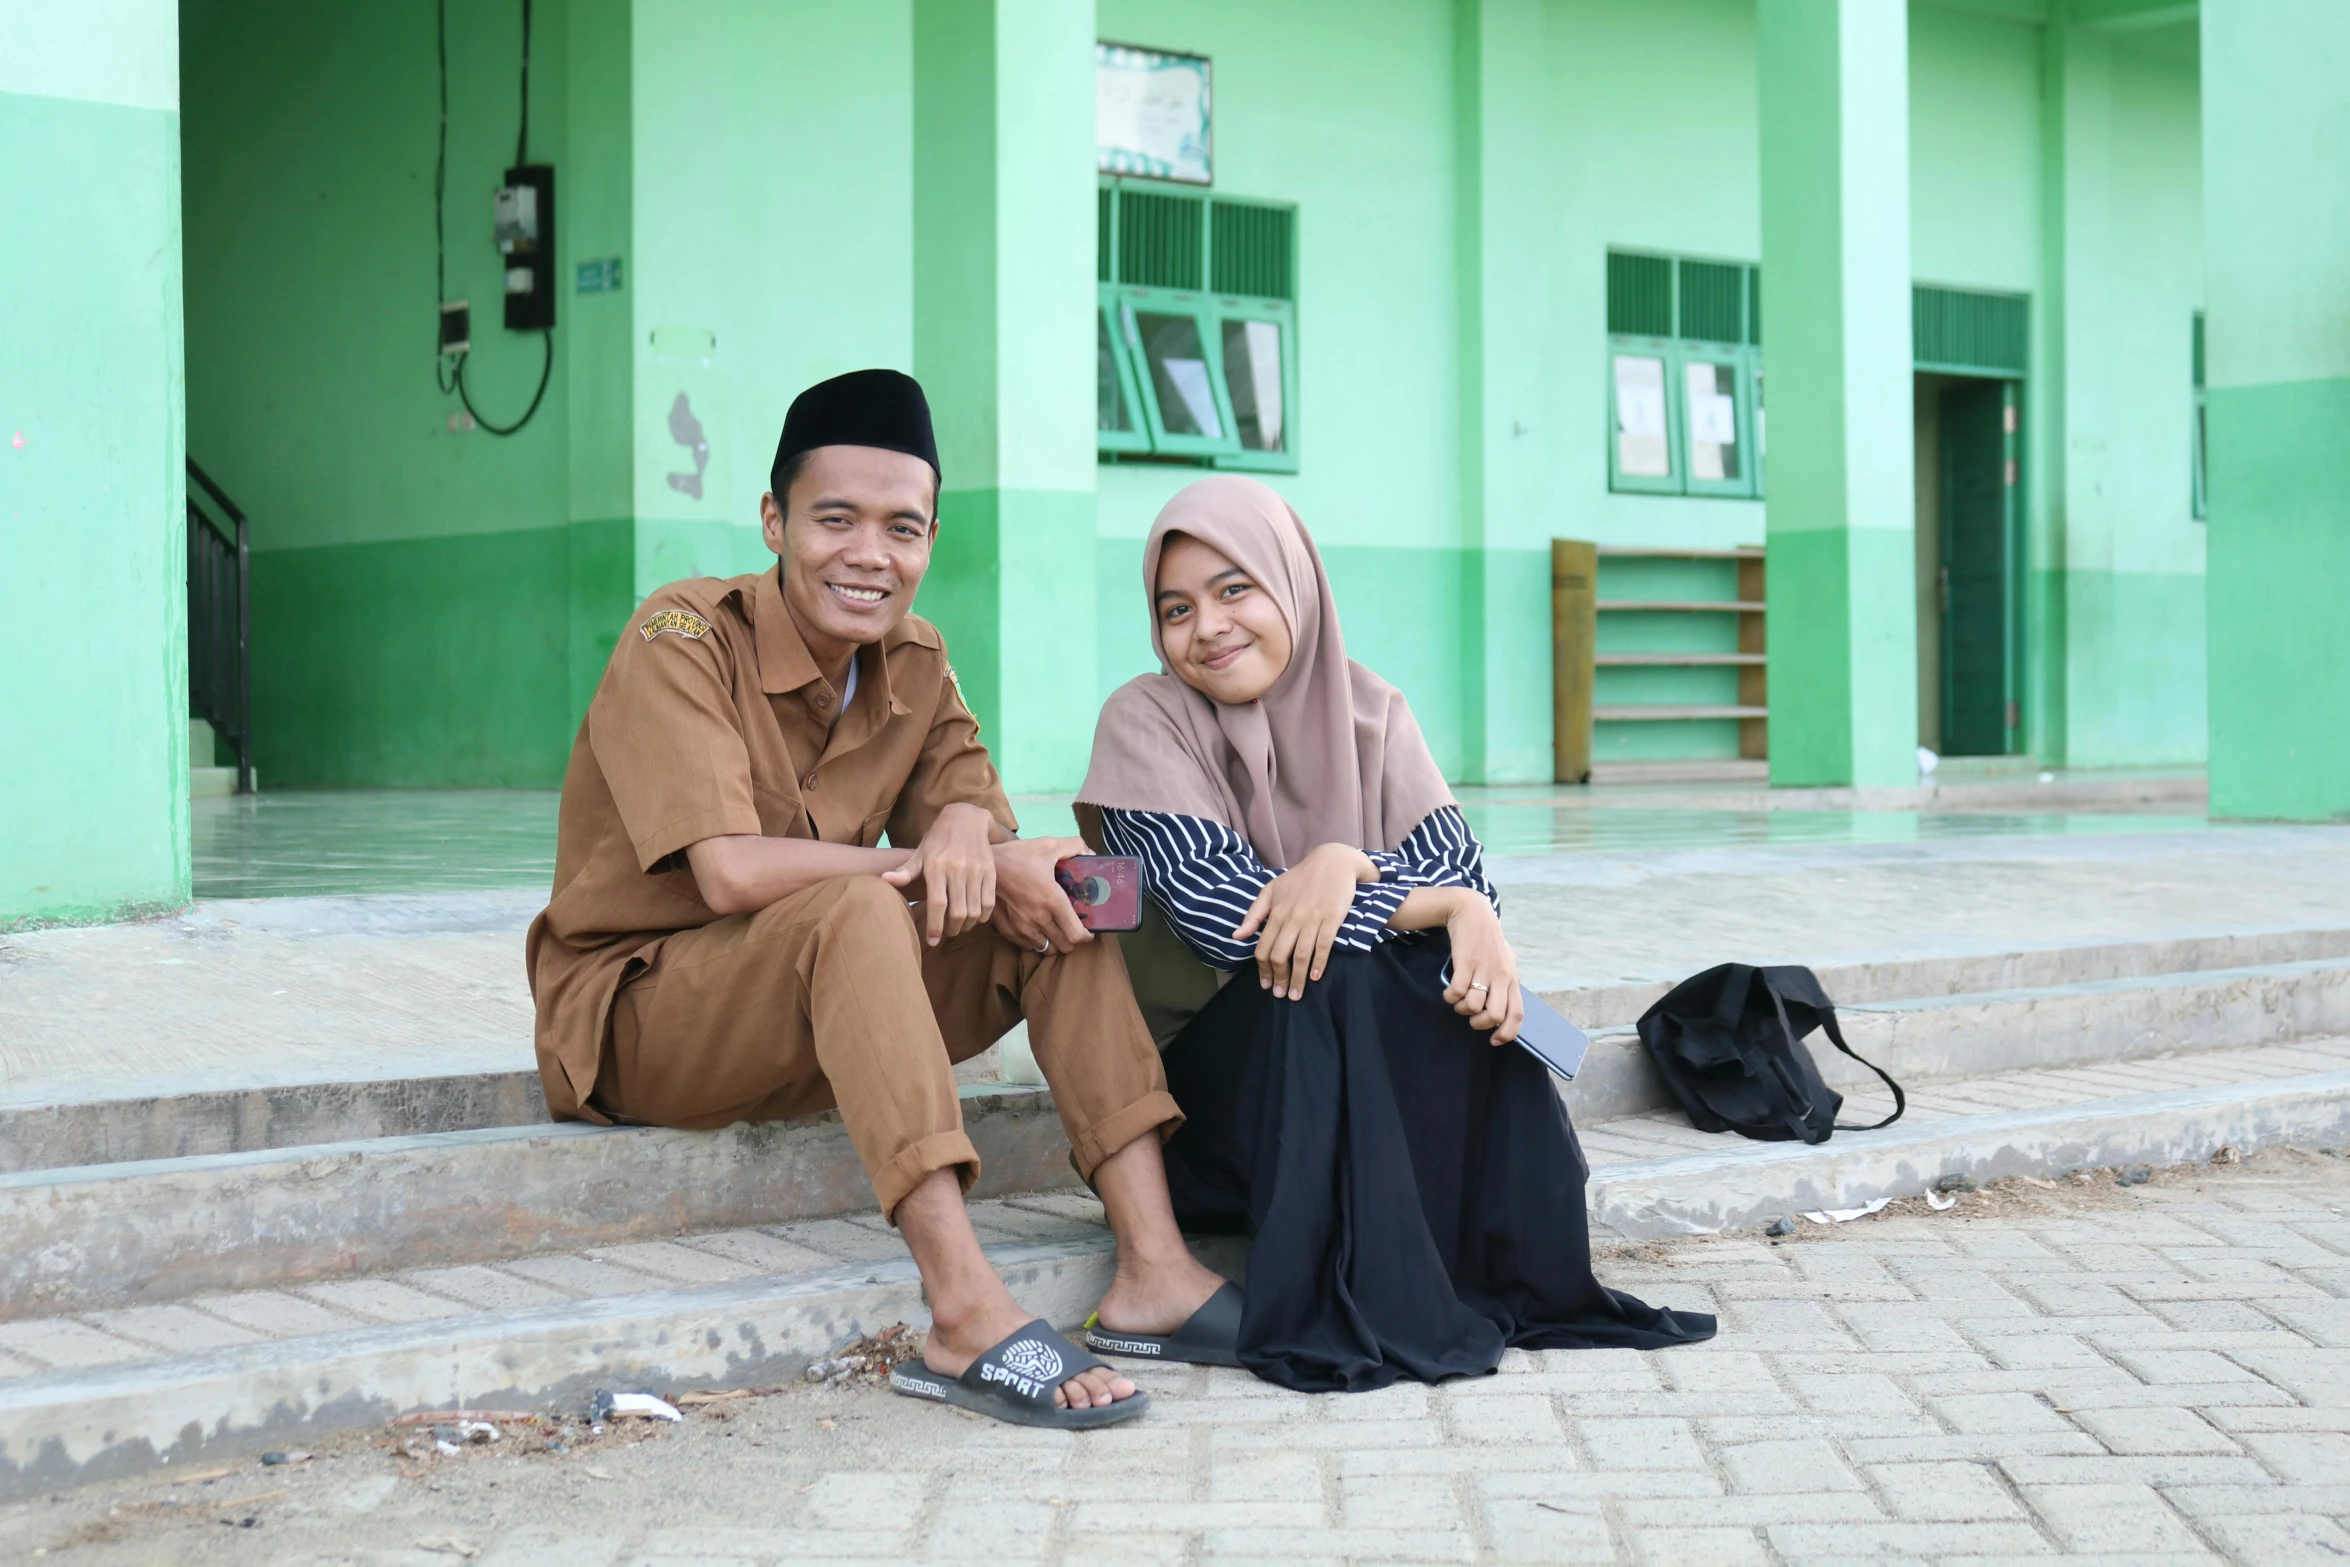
(1969, 564)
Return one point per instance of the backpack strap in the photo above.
(1795, 1103)
(1836, 1037)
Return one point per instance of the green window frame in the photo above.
(1684, 376)
(1174, 350)
(1120, 425)
(1197, 328)
(1643, 447)
(2199, 496)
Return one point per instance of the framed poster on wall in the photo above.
(1151, 114)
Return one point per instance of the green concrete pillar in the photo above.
(93, 442)
(1834, 89)
(2276, 211)
(1004, 344)
(1508, 503)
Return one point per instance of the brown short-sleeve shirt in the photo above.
(712, 719)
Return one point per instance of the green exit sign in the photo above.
(600, 277)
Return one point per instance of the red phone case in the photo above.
(1107, 889)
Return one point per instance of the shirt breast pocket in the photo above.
(875, 825)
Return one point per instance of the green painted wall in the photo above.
(93, 779)
(772, 240)
(2278, 342)
(1355, 124)
(2119, 549)
(1461, 168)
(404, 632)
(1004, 243)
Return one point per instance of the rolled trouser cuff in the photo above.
(1155, 1111)
(914, 1165)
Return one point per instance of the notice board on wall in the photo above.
(1152, 114)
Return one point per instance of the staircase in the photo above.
(191, 1274)
(220, 665)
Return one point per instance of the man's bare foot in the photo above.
(956, 1342)
(1157, 1298)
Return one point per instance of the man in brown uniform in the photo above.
(727, 941)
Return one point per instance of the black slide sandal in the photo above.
(1210, 1338)
(1015, 1381)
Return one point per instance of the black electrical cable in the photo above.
(440, 188)
(522, 137)
(456, 380)
(546, 372)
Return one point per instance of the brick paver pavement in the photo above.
(2086, 1374)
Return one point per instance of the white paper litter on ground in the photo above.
(643, 1404)
(1845, 1215)
(1938, 1202)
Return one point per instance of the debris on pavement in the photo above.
(1936, 1201)
(275, 1459)
(2135, 1175)
(1782, 1225)
(869, 1359)
(2227, 1155)
(714, 1395)
(630, 1406)
(1955, 1182)
(1846, 1215)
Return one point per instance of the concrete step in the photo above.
(93, 1236)
(278, 1115)
(248, 1116)
(83, 1237)
(98, 1393)
(1927, 1036)
(2030, 968)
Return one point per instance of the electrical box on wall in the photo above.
(524, 223)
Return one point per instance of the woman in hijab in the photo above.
(1415, 1192)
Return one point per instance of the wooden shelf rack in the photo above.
(1575, 611)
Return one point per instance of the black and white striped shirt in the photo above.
(1203, 876)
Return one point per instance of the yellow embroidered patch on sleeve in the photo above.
(956, 681)
(684, 622)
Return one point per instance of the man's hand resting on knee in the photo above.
(1030, 908)
(956, 866)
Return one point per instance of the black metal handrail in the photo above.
(220, 668)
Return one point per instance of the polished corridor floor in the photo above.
(305, 844)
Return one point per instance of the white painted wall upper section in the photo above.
(99, 51)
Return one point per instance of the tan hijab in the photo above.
(1330, 754)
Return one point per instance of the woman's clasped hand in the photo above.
(1296, 918)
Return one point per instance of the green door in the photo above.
(1979, 716)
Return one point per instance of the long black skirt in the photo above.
(1415, 1192)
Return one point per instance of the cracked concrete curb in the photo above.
(1744, 1185)
(72, 1427)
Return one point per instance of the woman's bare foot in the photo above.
(954, 1344)
(1157, 1298)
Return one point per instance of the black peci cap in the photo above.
(883, 408)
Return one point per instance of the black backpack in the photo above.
(1729, 1044)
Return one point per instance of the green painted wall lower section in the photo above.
(93, 773)
(458, 662)
(1019, 626)
(2137, 670)
(2280, 642)
(1843, 657)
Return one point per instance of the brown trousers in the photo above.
(830, 998)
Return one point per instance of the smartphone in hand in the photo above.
(1106, 888)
